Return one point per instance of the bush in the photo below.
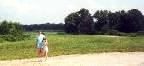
(113, 32)
(61, 33)
(1, 40)
(132, 34)
(10, 28)
(12, 31)
(14, 38)
(140, 33)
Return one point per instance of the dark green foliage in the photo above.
(14, 38)
(61, 33)
(104, 22)
(140, 33)
(1, 40)
(10, 28)
(122, 21)
(71, 23)
(130, 21)
(44, 27)
(80, 22)
(11, 31)
(101, 22)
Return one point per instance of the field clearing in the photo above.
(72, 44)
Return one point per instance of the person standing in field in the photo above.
(45, 47)
(39, 44)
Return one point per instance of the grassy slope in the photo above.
(72, 44)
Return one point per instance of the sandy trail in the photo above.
(98, 59)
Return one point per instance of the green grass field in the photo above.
(72, 44)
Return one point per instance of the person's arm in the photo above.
(35, 42)
(46, 42)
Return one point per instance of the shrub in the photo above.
(12, 31)
(132, 34)
(1, 40)
(61, 33)
(14, 38)
(140, 33)
(113, 32)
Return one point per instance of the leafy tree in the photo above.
(72, 23)
(10, 28)
(80, 22)
(11, 31)
(142, 24)
(130, 21)
(102, 20)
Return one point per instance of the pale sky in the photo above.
(54, 11)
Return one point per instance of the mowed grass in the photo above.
(72, 44)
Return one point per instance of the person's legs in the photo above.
(38, 52)
(41, 52)
(46, 55)
(45, 52)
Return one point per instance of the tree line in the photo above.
(44, 27)
(104, 21)
(82, 22)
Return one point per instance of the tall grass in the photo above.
(71, 44)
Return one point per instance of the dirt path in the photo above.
(98, 59)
